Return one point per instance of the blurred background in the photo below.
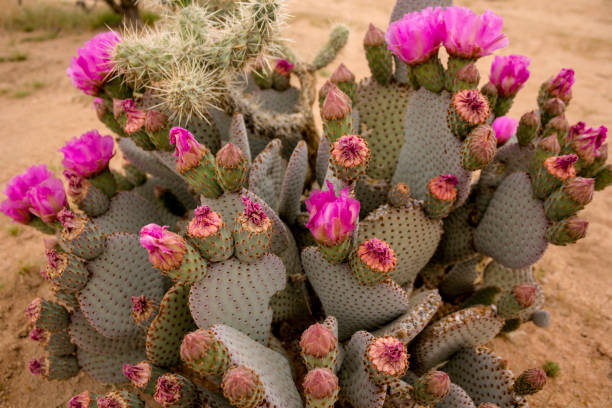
(40, 110)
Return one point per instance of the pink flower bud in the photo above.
(37, 334)
(580, 189)
(168, 389)
(283, 67)
(550, 144)
(138, 374)
(68, 219)
(509, 74)
(37, 365)
(469, 35)
(561, 166)
(471, 105)
(561, 85)
(320, 383)
(378, 255)
(155, 120)
(444, 187)
(342, 74)
(525, 295)
(332, 218)
(205, 223)
(109, 401)
(188, 151)
(530, 381)
(135, 117)
(374, 36)
(417, 36)
(88, 154)
(318, 341)
(337, 104)
(32, 311)
(230, 156)
(143, 307)
(587, 141)
(195, 345)
(504, 128)
(166, 249)
(81, 400)
(437, 384)
(241, 384)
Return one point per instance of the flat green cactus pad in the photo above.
(293, 183)
(267, 173)
(238, 295)
(86, 337)
(457, 398)
(412, 235)
(461, 278)
(457, 243)
(355, 384)
(513, 229)
(108, 367)
(167, 330)
(371, 193)
(121, 272)
(356, 306)
(239, 136)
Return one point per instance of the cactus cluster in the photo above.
(214, 271)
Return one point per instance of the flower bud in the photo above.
(242, 387)
(431, 388)
(386, 359)
(530, 381)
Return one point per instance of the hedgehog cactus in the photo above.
(213, 270)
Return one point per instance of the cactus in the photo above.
(189, 273)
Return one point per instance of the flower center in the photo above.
(393, 352)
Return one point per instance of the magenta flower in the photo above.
(90, 68)
(586, 141)
(47, 199)
(509, 74)
(283, 67)
(188, 152)
(561, 85)
(417, 36)
(332, 218)
(166, 249)
(504, 128)
(36, 366)
(469, 35)
(88, 154)
(17, 205)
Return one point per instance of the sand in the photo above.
(577, 279)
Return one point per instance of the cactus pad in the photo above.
(84, 336)
(457, 398)
(293, 184)
(457, 243)
(267, 172)
(108, 368)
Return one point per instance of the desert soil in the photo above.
(577, 279)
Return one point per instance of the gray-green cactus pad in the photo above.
(108, 368)
(371, 193)
(513, 229)
(238, 294)
(355, 384)
(289, 303)
(457, 398)
(121, 272)
(423, 307)
(356, 306)
(412, 235)
(484, 376)
(267, 172)
(465, 328)
(239, 136)
(430, 148)
(461, 278)
(293, 183)
(457, 243)
(86, 337)
(272, 368)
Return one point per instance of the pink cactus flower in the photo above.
(283, 67)
(388, 355)
(143, 308)
(37, 334)
(47, 199)
(166, 249)
(378, 255)
(444, 187)
(525, 295)
(318, 341)
(504, 128)
(469, 35)
(417, 36)
(561, 85)
(92, 65)
(36, 365)
(320, 383)
(138, 374)
(205, 223)
(188, 151)
(81, 400)
(17, 205)
(135, 118)
(562, 166)
(350, 151)
(168, 389)
(68, 219)
(109, 401)
(253, 212)
(88, 154)
(195, 345)
(242, 384)
(587, 141)
(509, 74)
(332, 218)
(33, 310)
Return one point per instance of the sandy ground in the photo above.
(577, 279)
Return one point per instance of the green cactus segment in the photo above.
(454, 65)
(108, 367)
(58, 344)
(513, 229)
(203, 178)
(52, 316)
(484, 296)
(561, 233)
(94, 202)
(322, 162)
(435, 208)
(430, 149)
(560, 205)
(134, 176)
(146, 162)
(412, 235)
(121, 272)
(246, 289)
(354, 305)
(167, 330)
(123, 184)
(603, 178)
(457, 398)
(272, 368)
(399, 395)
(497, 275)
(464, 328)
(126, 398)
(423, 307)
(160, 139)
(527, 129)
(216, 247)
(461, 278)
(457, 243)
(483, 375)
(502, 105)
(473, 156)
(129, 212)
(544, 183)
(213, 399)
(336, 41)
(86, 241)
(60, 368)
(193, 267)
(293, 184)
(355, 384)
(66, 298)
(380, 61)
(105, 182)
(382, 111)
(371, 194)
(430, 74)
(239, 136)
(85, 337)
(70, 273)
(276, 102)
(267, 172)
(289, 303)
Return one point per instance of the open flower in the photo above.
(561, 85)
(166, 249)
(16, 204)
(417, 36)
(188, 151)
(88, 154)
(504, 128)
(509, 74)
(469, 35)
(586, 141)
(92, 65)
(283, 67)
(47, 199)
(332, 218)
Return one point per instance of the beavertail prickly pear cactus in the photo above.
(226, 265)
